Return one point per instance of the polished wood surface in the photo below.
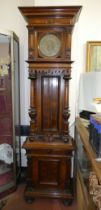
(49, 146)
(50, 169)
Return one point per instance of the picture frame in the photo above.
(93, 61)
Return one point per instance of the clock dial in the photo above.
(49, 45)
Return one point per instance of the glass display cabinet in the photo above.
(10, 157)
(87, 169)
(83, 162)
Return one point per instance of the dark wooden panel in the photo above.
(50, 103)
(48, 172)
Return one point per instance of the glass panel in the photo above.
(83, 161)
(17, 106)
(6, 116)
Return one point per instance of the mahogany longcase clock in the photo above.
(49, 146)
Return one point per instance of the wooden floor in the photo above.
(17, 202)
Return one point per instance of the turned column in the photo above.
(32, 110)
(66, 113)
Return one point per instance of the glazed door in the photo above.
(8, 115)
(16, 100)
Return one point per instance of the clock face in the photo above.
(49, 45)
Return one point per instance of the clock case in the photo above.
(49, 147)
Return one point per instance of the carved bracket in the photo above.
(31, 52)
(67, 75)
(32, 74)
(32, 113)
(66, 114)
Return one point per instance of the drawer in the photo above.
(53, 152)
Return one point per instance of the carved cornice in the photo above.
(64, 15)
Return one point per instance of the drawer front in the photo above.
(46, 152)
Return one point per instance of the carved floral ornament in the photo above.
(95, 190)
(65, 72)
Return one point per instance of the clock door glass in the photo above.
(49, 45)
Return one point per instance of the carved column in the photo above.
(66, 114)
(68, 32)
(32, 110)
(31, 41)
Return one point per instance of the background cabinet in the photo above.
(9, 111)
(86, 164)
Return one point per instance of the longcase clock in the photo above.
(49, 146)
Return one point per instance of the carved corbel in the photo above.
(66, 75)
(32, 74)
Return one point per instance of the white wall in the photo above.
(11, 19)
(57, 2)
(87, 28)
